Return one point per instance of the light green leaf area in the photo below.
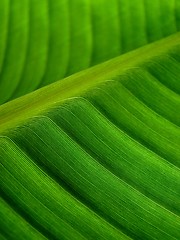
(45, 41)
(95, 155)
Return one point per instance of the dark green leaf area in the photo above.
(120, 153)
(42, 201)
(15, 226)
(98, 185)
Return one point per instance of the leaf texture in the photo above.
(42, 42)
(101, 162)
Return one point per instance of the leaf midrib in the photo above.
(19, 110)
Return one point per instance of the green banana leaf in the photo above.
(92, 151)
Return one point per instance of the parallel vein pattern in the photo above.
(42, 42)
(102, 166)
